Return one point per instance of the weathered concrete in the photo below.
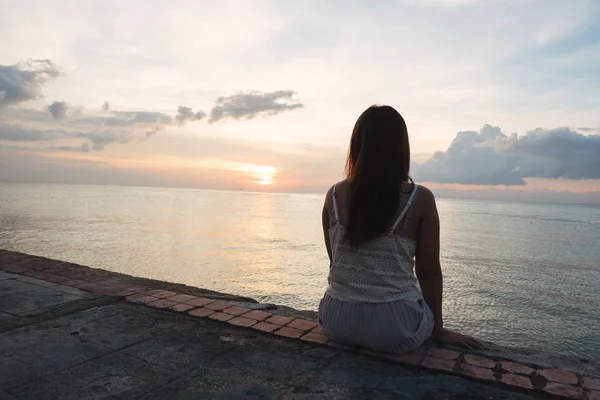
(60, 343)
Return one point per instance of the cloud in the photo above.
(489, 157)
(24, 81)
(20, 133)
(59, 109)
(186, 114)
(247, 105)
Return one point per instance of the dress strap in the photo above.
(406, 208)
(336, 212)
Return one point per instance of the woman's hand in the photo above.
(447, 336)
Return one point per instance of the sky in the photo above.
(500, 96)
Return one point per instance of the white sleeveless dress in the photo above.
(373, 299)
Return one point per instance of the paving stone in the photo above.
(559, 376)
(181, 297)
(516, 368)
(34, 302)
(161, 294)
(16, 286)
(265, 327)
(242, 321)
(144, 300)
(438, 364)
(289, 332)
(235, 310)
(201, 312)
(316, 329)
(589, 382)
(279, 320)
(199, 301)
(71, 290)
(219, 316)
(559, 389)
(519, 381)
(135, 296)
(302, 324)
(217, 305)
(443, 353)
(479, 361)
(181, 307)
(162, 303)
(181, 352)
(478, 372)
(7, 275)
(258, 315)
(315, 338)
(114, 376)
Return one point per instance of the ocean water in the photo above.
(519, 274)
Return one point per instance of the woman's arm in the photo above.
(429, 271)
(325, 220)
(427, 258)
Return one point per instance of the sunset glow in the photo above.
(264, 175)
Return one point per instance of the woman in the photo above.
(379, 225)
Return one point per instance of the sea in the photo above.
(523, 275)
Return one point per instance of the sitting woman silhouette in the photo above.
(380, 229)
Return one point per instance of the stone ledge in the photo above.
(557, 382)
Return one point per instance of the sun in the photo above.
(264, 175)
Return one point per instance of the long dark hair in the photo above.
(378, 163)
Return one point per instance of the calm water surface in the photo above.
(519, 274)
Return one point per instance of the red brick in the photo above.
(289, 332)
(316, 329)
(199, 301)
(181, 307)
(443, 353)
(558, 389)
(144, 300)
(241, 321)
(589, 382)
(219, 316)
(218, 305)
(315, 338)
(136, 296)
(201, 312)
(265, 327)
(181, 298)
(559, 376)
(438, 364)
(593, 395)
(162, 303)
(519, 381)
(280, 320)
(302, 324)
(162, 294)
(258, 315)
(478, 372)
(479, 361)
(516, 368)
(235, 310)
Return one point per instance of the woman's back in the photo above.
(379, 270)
